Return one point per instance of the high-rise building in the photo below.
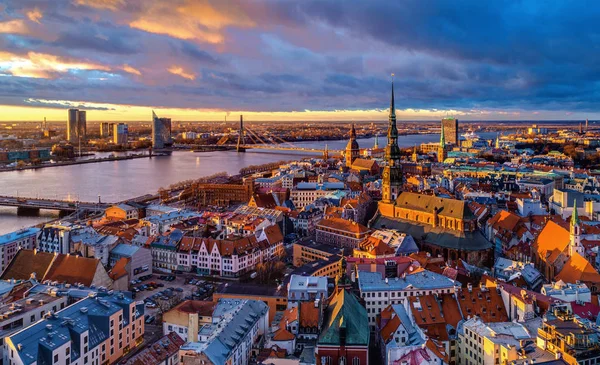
(82, 124)
(72, 131)
(450, 126)
(392, 173)
(352, 150)
(105, 129)
(161, 132)
(76, 125)
(120, 133)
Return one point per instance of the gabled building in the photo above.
(229, 339)
(68, 269)
(345, 334)
(559, 254)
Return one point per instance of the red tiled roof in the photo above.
(343, 225)
(157, 352)
(119, 269)
(283, 335)
(309, 314)
(73, 269)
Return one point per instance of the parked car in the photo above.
(179, 290)
(151, 305)
(150, 319)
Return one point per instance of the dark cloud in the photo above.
(197, 54)
(325, 54)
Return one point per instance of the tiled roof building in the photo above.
(69, 269)
(441, 225)
(558, 254)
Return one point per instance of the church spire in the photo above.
(442, 138)
(353, 132)
(392, 151)
(392, 102)
(392, 172)
(575, 216)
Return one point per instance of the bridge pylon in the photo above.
(240, 147)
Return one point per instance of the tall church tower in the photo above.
(575, 234)
(392, 172)
(441, 155)
(352, 150)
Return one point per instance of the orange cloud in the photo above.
(179, 71)
(42, 65)
(16, 26)
(102, 4)
(131, 70)
(34, 15)
(191, 20)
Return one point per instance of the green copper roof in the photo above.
(345, 313)
(575, 216)
(442, 138)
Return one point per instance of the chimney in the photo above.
(193, 327)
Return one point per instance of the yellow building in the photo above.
(491, 343)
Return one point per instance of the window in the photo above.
(55, 358)
(355, 361)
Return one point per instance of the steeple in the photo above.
(392, 172)
(353, 132)
(575, 245)
(392, 151)
(326, 153)
(442, 138)
(575, 215)
(441, 155)
(497, 141)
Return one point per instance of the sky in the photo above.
(299, 60)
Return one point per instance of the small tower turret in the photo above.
(575, 245)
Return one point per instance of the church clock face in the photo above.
(386, 174)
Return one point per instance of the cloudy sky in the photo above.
(299, 60)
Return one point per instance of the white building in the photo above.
(24, 312)
(378, 293)
(530, 206)
(231, 257)
(568, 292)
(54, 238)
(491, 343)
(306, 193)
(306, 288)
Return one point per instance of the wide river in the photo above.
(118, 180)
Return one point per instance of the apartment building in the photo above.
(93, 331)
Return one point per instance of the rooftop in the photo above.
(17, 235)
(418, 279)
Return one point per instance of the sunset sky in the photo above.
(299, 60)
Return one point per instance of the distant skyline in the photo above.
(299, 60)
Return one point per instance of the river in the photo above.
(118, 180)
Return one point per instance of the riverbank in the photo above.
(79, 162)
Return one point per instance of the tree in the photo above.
(270, 271)
(166, 305)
